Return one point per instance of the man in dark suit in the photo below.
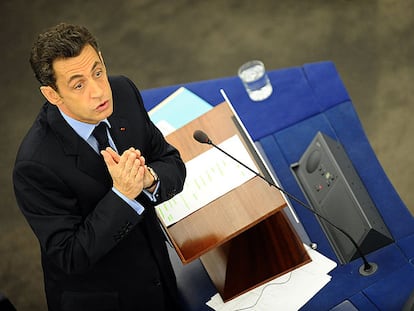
(92, 209)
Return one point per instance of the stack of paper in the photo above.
(178, 109)
(209, 176)
(288, 292)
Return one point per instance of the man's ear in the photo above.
(51, 95)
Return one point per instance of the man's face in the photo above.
(83, 92)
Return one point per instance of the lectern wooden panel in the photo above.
(243, 238)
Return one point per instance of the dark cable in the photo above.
(366, 269)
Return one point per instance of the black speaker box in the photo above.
(335, 191)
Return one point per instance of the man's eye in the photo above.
(78, 86)
(98, 73)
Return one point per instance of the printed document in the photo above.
(209, 176)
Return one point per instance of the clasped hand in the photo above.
(128, 171)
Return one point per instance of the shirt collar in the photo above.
(83, 129)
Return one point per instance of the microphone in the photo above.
(202, 137)
(366, 269)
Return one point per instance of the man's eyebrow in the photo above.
(95, 65)
(74, 77)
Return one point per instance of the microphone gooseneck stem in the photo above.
(366, 269)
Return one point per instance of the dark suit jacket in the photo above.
(97, 253)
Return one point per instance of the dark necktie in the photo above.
(101, 135)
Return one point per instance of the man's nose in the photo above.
(96, 89)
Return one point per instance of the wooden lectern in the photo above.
(243, 238)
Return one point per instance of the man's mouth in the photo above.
(103, 106)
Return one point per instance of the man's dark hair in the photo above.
(59, 42)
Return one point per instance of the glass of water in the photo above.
(255, 80)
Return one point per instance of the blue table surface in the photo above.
(305, 100)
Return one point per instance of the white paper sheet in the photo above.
(288, 292)
(209, 176)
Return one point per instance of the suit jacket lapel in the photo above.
(120, 133)
(92, 163)
(73, 145)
